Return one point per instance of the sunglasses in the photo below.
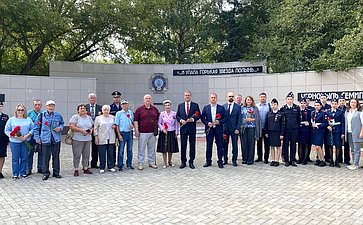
(231, 96)
(20, 110)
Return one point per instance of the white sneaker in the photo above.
(112, 170)
(102, 171)
(164, 167)
(353, 167)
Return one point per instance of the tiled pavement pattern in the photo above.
(257, 194)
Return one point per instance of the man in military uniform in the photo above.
(115, 106)
(304, 133)
(291, 114)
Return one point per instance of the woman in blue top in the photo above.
(251, 130)
(18, 140)
(319, 124)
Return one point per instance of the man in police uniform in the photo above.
(325, 107)
(346, 152)
(115, 106)
(291, 114)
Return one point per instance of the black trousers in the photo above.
(183, 146)
(48, 151)
(289, 145)
(345, 153)
(94, 153)
(263, 139)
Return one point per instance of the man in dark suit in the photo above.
(93, 110)
(231, 128)
(187, 115)
(213, 117)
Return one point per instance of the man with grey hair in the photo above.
(145, 123)
(93, 110)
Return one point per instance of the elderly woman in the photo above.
(251, 129)
(82, 125)
(169, 128)
(19, 129)
(4, 140)
(354, 131)
(104, 131)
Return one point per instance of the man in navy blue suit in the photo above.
(213, 117)
(187, 115)
(231, 128)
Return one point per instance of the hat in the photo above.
(303, 100)
(342, 96)
(1, 103)
(50, 102)
(334, 100)
(290, 95)
(323, 94)
(116, 94)
(124, 101)
(318, 101)
(274, 101)
(166, 101)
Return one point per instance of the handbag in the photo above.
(69, 137)
(156, 130)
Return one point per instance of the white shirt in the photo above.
(350, 117)
(213, 109)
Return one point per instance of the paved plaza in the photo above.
(257, 194)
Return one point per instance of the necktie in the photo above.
(229, 108)
(92, 112)
(188, 108)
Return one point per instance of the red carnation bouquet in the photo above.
(193, 116)
(16, 133)
(218, 117)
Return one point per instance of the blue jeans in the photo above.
(31, 152)
(127, 139)
(103, 151)
(19, 153)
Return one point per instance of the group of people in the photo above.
(106, 128)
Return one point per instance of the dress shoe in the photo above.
(141, 167)
(287, 164)
(304, 162)
(299, 161)
(258, 160)
(57, 176)
(250, 163)
(322, 164)
(244, 162)
(234, 163)
(182, 166)
(220, 166)
(76, 173)
(276, 164)
(207, 164)
(317, 162)
(309, 160)
(45, 177)
(87, 171)
(337, 165)
(328, 160)
(293, 164)
(154, 166)
(29, 173)
(225, 162)
(130, 167)
(272, 163)
(331, 164)
(265, 161)
(120, 169)
(1, 175)
(191, 165)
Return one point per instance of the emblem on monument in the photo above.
(158, 83)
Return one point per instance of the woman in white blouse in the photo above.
(354, 131)
(104, 131)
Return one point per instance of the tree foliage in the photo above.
(292, 35)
